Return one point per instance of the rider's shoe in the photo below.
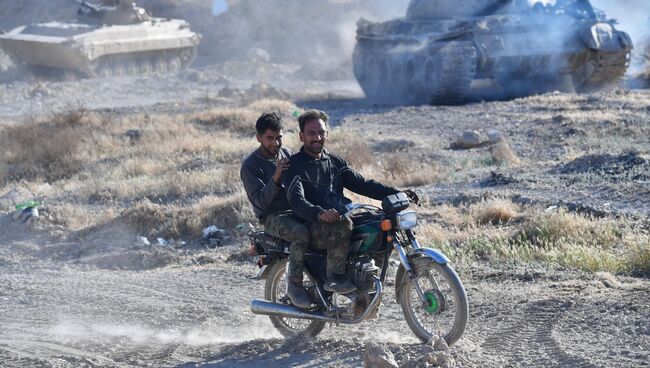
(339, 284)
(298, 294)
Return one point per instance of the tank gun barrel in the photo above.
(90, 6)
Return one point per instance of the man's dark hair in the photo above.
(310, 115)
(268, 120)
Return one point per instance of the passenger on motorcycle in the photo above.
(315, 180)
(261, 174)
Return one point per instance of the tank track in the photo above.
(604, 69)
(161, 62)
(458, 67)
(440, 73)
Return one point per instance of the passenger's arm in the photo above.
(299, 204)
(261, 194)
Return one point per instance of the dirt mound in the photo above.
(608, 165)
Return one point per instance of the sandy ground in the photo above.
(195, 313)
(63, 303)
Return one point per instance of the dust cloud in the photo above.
(70, 330)
(309, 31)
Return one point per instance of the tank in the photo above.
(115, 39)
(435, 52)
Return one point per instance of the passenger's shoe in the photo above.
(339, 284)
(298, 295)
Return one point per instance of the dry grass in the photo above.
(616, 245)
(170, 174)
(174, 175)
(242, 120)
(174, 222)
(503, 154)
(404, 171)
(50, 149)
(497, 211)
(352, 148)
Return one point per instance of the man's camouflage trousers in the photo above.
(334, 238)
(285, 226)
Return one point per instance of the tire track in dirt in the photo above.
(530, 341)
(39, 354)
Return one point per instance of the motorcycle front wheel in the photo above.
(275, 290)
(445, 311)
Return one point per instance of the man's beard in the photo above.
(315, 151)
(270, 153)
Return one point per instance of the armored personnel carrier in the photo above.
(441, 46)
(115, 39)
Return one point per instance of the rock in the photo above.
(469, 139)
(144, 241)
(378, 356)
(440, 359)
(494, 136)
(438, 344)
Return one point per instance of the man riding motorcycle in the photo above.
(261, 174)
(315, 181)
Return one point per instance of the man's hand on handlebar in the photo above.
(413, 197)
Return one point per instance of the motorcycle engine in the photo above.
(361, 271)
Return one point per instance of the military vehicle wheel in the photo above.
(119, 70)
(104, 71)
(174, 65)
(145, 67)
(160, 66)
(131, 68)
(448, 72)
(187, 56)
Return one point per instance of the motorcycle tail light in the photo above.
(386, 225)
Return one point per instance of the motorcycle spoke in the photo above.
(440, 322)
(280, 296)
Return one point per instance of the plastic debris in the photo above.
(213, 236)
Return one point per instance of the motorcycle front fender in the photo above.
(433, 254)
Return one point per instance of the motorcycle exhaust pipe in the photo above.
(265, 307)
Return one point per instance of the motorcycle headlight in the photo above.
(406, 220)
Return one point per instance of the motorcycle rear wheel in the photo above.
(447, 312)
(275, 290)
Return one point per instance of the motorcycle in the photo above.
(431, 294)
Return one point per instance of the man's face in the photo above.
(314, 136)
(270, 142)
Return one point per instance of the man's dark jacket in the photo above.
(257, 175)
(314, 185)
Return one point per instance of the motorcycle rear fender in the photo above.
(433, 254)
